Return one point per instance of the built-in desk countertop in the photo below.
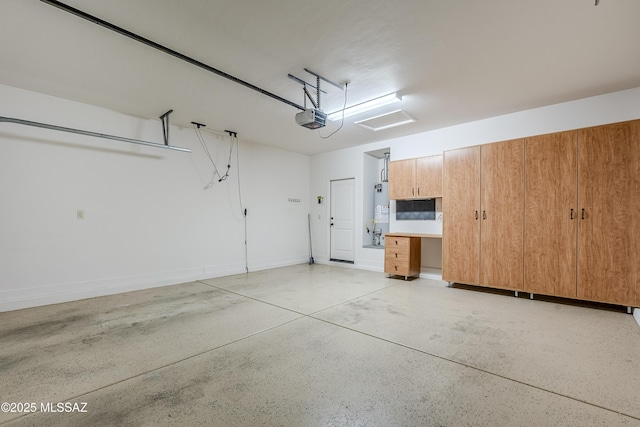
(432, 236)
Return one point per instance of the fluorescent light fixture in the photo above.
(365, 106)
(386, 120)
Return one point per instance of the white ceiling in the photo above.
(453, 61)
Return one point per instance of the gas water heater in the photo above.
(380, 212)
(381, 205)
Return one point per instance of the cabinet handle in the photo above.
(396, 255)
(484, 215)
(396, 267)
(418, 191)
(571, 213)
(413, 192)
(396, 242)
(582, 213)
(476, 215)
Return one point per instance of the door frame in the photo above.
(331, 206)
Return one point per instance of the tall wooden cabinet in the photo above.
(419, 178)
(559, 214)
(609, 203)
(461, 216)
(502, 204)
(551, 214)
(483, 215)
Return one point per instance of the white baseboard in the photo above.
(16, 299)
(636, 315)
(431, 273)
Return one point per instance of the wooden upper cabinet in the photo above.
(551, 214)
(461, 213)
(402, 177)
(609, 212)
(429, 176)
(502, 202)
(419, 178)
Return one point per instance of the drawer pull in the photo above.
(396, 267)
(396, 255)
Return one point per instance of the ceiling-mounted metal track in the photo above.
(166, 50)
(303, 83)
(341, 87)
(316, 101)
(95, 134)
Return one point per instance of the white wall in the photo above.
(149, 221)
(593, 111)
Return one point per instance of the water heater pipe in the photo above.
(385, 171)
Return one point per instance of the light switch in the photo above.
(80, 214)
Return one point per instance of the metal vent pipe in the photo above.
(385, 173)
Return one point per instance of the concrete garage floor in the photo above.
(321, 346)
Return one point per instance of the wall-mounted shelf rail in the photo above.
(96, 134)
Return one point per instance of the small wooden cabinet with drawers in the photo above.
(402, 255)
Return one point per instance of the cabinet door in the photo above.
(551, 214)
(502, 202)
(429, 176)
(402, 176)
(461, 212)
(609, 203)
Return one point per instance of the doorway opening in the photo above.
(342, 210)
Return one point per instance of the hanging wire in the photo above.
(243, 211)
(221, 178)
(196, 127)
(346, 86)
(232, 136)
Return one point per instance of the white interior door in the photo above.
(342, 220)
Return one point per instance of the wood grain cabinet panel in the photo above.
(402, 177)
(461, 213)
(559, 214)
(502, 217)
(419, 178)
(551, 214)
(402, 256)
(429, 176)
(609, 203)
